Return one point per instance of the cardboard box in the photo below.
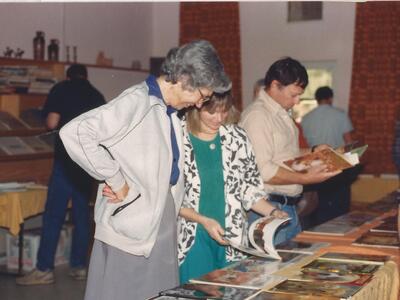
(31, 248)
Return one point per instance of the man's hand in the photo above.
(214, 229)
(321, 147)
(318, 174)
(115, 197)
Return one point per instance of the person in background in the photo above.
(65, 101)
(222, 182)
(275, 139)
(258, 86)
(329, 125)
(134, 145)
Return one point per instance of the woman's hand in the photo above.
(277, 213)
(115, 197)
(215, 230)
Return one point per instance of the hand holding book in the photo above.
(328, 157)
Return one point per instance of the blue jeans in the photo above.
(285, 232)
(65, 185)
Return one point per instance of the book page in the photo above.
(262, 232)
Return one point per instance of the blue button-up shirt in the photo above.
(154, 90)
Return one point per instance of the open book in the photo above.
(261, 237)
(332, 159)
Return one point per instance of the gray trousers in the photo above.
(117, 275)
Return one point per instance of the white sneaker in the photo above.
(36, 277)
(78, 273)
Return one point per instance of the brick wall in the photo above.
(219, 24)
(375, 95)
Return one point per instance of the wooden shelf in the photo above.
(45, 63)
(31, 156)
(22, 132)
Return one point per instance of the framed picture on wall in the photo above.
(304, 11)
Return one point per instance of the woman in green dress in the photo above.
(222, 182)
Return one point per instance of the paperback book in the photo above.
(261, 237)
(379, 240)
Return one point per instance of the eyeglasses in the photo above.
(204, 98)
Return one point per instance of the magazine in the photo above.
(266, 265)
(312, 288)
(207, 291)
(355, 258)
(300, 247)
(340, 267)
(331, 228)
(169, 298)
(264, 295)
(230, 277)
(387, 225)
(386, 203)
(261, 237)
(318, 275)
(333, 160)
(378, 239)
(344, 224)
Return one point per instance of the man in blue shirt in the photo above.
(326, 124)
(329, 125)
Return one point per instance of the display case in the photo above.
(26, 151)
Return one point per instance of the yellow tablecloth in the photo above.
(15, 207)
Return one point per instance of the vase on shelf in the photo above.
(38, 46)
(52, 50)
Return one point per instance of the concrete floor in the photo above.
(65, 288)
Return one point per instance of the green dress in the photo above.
(206, 254)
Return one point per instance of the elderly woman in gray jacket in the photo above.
(134, 145)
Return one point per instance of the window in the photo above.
(319, 74)
(304, 11)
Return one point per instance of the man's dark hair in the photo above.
(323, 93)
(77, 71)
(287, 71)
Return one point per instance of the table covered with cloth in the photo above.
(15, 207)
(385, 284)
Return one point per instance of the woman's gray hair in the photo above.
(196, 65)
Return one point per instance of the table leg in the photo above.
(20, 249)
